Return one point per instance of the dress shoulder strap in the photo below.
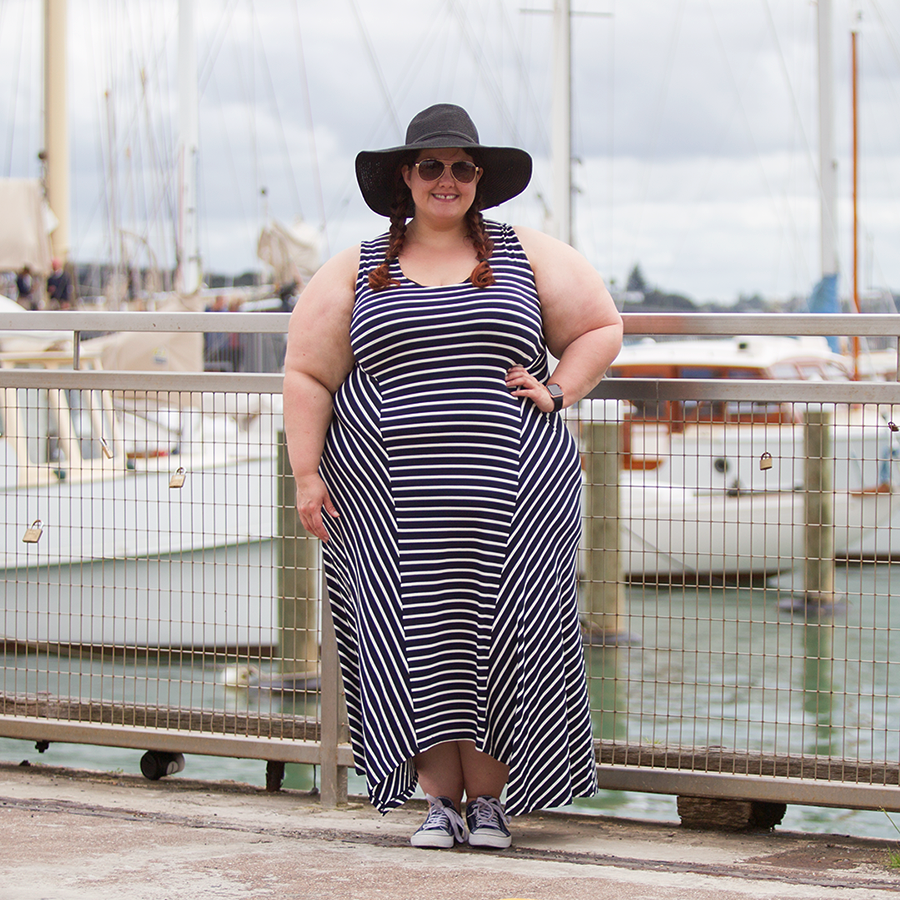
(371, 256)
(509, 256)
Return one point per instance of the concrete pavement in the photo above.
(74, 835)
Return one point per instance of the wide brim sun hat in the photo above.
(507, 170)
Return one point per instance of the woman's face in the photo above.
(446, 197)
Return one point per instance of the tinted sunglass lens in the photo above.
(463, 171)
(432, 169)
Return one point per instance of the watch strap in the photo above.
(556, 392)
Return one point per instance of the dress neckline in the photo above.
(406, 278)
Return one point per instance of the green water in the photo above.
(712, 667)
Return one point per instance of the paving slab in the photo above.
(76, 835)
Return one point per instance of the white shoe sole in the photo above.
(432, 841)
(494, 841)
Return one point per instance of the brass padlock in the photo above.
(765, 461)
(107, 450)
(177, 480)
(893, 426)
(33, 534)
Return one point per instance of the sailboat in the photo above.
(129, 524)
(716, 491)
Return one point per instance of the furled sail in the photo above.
(293, 251)
(25, 226)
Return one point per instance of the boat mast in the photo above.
(188, 249)
(55, 154)
(854, 72)
(855, 121)
(561, 119)
(827, 161)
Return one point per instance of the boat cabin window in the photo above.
(87, 416)
(9, 472)
(810, 370)
(648, 409)
(703, 410)
(41, 425)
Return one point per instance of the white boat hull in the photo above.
(669, 531)
(129, 561)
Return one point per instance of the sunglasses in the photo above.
(432, 169)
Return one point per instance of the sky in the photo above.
(694, 125)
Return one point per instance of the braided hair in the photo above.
(402, 208)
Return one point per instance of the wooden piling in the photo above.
(604, 601)
(818, 507)
(297, 561)
(335, 730)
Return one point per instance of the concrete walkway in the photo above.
(71, 835)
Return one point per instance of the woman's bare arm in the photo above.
(317, 361)
(582, 326)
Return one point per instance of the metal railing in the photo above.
(169, 601)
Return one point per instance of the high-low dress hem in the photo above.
(452, 568)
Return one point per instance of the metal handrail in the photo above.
(859, 325)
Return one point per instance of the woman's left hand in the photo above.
(523, 384)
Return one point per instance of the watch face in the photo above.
(556, 392)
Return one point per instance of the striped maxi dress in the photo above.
(452, 568)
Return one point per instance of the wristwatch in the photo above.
(556, 392)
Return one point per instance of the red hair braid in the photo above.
(380, 278)
(482, 275)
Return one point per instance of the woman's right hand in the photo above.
(312, 498)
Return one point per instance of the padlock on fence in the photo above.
(177, 480)
(33, 533)
(765, 461)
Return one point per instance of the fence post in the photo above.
(818, 508)
(334, 714)
(604, 596)
(297, 581)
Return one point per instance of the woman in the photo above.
(430, 458)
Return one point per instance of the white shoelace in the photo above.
(438, 814)
(488, 810)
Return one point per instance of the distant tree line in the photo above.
(640, 296)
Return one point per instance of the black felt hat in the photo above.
(507, 170)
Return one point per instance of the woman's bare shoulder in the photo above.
(327, 301)
(341, 268)
(319, 331)
(540, 247)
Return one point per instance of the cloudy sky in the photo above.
(694, 124)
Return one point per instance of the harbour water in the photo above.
(710, 666)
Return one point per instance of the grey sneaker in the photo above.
(487, 823)
(442, 827)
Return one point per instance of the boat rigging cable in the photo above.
(656, 118)
(16, 67)
(791, 226)
(376, 68)
(311, 130)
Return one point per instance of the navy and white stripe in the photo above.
(451, 570)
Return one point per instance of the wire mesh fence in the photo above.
(737, 572)
(746, 632)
